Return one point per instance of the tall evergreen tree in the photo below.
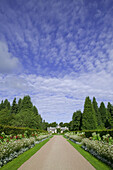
(7, 104)
(19, 104)
(76, 120)
(26, 103)
(14, 108)
(110, 114)
(97, 113)
(103, 113)
(2, 105)
(88, 117)
(35, 110)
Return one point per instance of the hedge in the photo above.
(88, 133)
(18, 130)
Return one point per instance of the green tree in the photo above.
(2, 105)
(70, 126)
(76, 120)
(35, 110)
(26, 103)
(53, 124)
(7, 104)
(61, 124)
(19, 104)
(103, 113)
(4, 116)
(97, 113)
(44, 125)
(14, 108)
(88, 117)
(110, 114)
(66, 125)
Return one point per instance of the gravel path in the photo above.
(57, 154)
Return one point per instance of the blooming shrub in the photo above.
(67, 135)
(7, 148)
(12, 146)
(76, 138)
(103, 149)
(95, 136)
(107, 138)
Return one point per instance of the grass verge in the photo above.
(17, 162)
(97, 164)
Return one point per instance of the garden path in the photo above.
(57, 154)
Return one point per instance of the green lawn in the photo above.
(17, 162)
(93, 161)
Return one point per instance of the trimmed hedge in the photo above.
(18, 130)
(88, 133)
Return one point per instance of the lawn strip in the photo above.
(17, 162)
(97, 164)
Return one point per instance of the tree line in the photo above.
(93, 117)
(21, 114)
(24, 114)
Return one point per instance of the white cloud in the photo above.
(7, 62)
(57, 98)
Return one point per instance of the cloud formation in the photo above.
(57, 37)
(7, 62)
(63, 50)
(57, 98)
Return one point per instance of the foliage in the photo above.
(53, 124)
(88, 117)
(14, 108)
(92, 117)
(110, 114)
(77, 137)
(108, 139)
(103, 149)
(12, 146)
(100, 147)
(97, 113)
(21, 114)
(95, 136)
(76, 120)
(16, 163)
(18, 130)
(103, 112)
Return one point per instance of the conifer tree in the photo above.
(26, 103)
(88, 117)
(103, 113)
(14, 108)
(97, 114)
(76, 120)
(35, 110)
(2, 105)
(7, 104)
(19, 104)
(110, 114)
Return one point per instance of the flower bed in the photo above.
(12, 146)
(75, 138)
(101, 150)
(100, 147)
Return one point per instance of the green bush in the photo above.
(88, 133)
(18, 130)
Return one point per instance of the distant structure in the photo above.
(54, 129)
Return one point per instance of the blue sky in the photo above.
(58, 52)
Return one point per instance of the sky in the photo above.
(58, 52)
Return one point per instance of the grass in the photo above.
(97, 164)
(17, 162)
